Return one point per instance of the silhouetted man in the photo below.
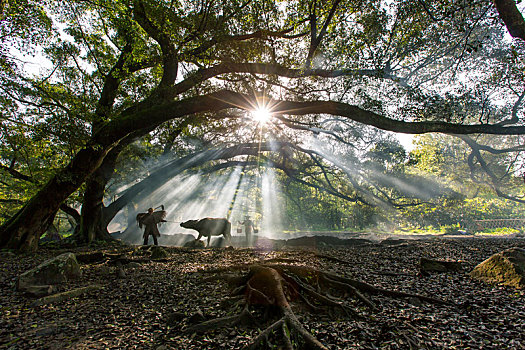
(150, 220)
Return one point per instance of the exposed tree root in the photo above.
(274, 286)
(54, 298)
(243, 319)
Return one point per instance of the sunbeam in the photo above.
(272, 208)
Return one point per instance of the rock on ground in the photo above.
(158, 253)
(506, 267)
(431, 265)
(194, 244)
(59, 269)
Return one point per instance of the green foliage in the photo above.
(444, 159)
(500, 231)
(28, 159)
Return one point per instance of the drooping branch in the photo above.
(292, 174)
(367, 196)
(495, 182)
(16, 174)
(150, 118)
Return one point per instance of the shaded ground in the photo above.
(151, 305)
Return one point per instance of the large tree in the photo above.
(120, 69)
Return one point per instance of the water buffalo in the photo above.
(208, 227)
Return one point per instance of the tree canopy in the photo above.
(82, 81)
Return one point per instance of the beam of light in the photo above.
(214, 198)
(271, 225)
(244, 205)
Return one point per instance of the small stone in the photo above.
(175, 317)
(197, 317)
(121, 273)
(132, 265)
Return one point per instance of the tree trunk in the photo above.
(93, 224)
(512, 17)
(92, 216)
(24, 230)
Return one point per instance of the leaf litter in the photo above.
(152, 304)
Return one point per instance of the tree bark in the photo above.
(93, 225)
(92, 216)
(512, 17)
(24, 229)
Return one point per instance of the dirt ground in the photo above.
(151, 304)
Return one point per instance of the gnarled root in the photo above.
(244, 318)
(274, 286)
(268, 287)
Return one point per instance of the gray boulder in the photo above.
(506, 267)
(57, 270)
